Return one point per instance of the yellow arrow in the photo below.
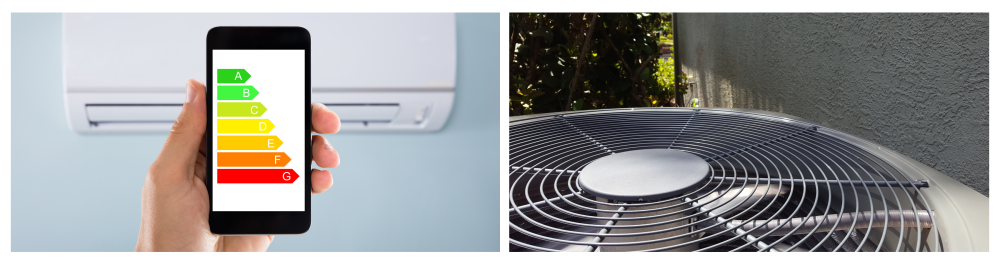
(233, 142)
(245, 126)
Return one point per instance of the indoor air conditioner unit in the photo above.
(685, 179)
(379, 72)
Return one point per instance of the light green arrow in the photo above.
(241, 109)
(236, 92)
(232, 76)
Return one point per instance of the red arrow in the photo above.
(281, 176)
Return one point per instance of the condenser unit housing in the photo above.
(693, 179)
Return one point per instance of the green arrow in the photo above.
(236, 92)
(241, 109)
(232, 76)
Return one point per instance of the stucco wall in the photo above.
(916, 83)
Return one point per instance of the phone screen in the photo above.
(257, 130)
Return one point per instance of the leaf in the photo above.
(551, 81)
(534, 94)
(549, 59)
(522, 49)
(567, 49)
(544, 33)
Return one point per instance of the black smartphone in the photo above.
(259, 122)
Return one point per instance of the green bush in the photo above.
(567, 61)
(665, 77)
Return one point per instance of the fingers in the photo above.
(323, 152)
(324, 121)
(185, 140)
(321, 181)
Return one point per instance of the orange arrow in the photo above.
(248, 142)
(252, 159)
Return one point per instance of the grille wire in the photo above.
(811, 185)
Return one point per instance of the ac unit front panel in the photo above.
(104, 112)
(143, 52)
(410, 111)
(114, 111)
(126, 72)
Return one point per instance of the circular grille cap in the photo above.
(643, 175)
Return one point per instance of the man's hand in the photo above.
(174, 197)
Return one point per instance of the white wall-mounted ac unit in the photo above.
(379, 72)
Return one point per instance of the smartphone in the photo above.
(259, 157)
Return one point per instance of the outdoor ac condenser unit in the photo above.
(378, 72)
(699, 179)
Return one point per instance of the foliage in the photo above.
(665, 76)
(617, 56)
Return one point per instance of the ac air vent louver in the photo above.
(682, 179)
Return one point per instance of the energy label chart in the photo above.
(236, 115)
(259, 128)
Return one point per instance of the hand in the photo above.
(174, 197)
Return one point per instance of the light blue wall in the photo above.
(393, 192)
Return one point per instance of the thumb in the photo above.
(184, 141)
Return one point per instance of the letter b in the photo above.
(246, 92)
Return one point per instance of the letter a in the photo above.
(238, 76)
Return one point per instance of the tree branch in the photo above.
(607, 39)
(643, 65)
(580, 59)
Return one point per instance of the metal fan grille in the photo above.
(775, 184)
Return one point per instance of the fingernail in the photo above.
(328, 147)
(190, 92)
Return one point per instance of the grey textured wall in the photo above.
(916, 83)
